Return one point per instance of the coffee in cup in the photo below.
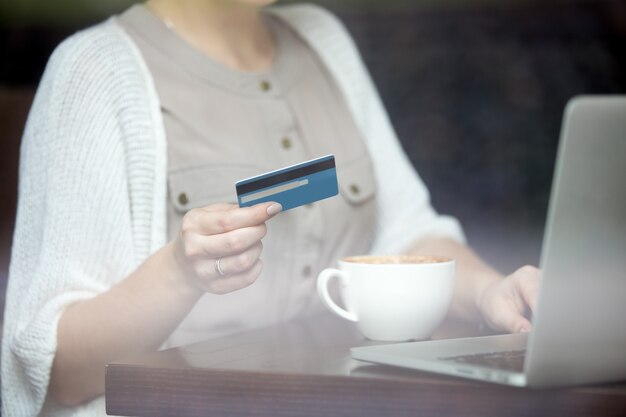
(391, 298)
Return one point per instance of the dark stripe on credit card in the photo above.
(281, 177)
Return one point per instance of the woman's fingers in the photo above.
(510, 317)
(527, 285)
(230, 283)
(223, 218)
(226, 244)
(505, 303)
(240, 263)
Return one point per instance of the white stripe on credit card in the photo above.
(273, 191)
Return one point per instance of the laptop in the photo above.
(579, 330)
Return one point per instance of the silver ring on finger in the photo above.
(218, 267)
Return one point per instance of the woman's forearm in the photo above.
(473, 275)
(141, 311)
(136, 315)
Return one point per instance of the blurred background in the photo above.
(474, 88)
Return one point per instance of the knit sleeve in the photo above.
(405, 213)
(73, 236)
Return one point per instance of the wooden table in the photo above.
(304, 369)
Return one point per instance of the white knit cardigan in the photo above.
(92, 189)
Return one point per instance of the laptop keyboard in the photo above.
(512, 360)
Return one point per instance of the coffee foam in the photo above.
(395, 259)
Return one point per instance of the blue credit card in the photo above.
(292, 186)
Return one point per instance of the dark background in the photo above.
(475, 90)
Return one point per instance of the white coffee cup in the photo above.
(391, 298)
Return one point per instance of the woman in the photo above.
(126, 241)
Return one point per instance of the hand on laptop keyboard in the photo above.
(505, 304)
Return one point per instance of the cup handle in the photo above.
(322, 289)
